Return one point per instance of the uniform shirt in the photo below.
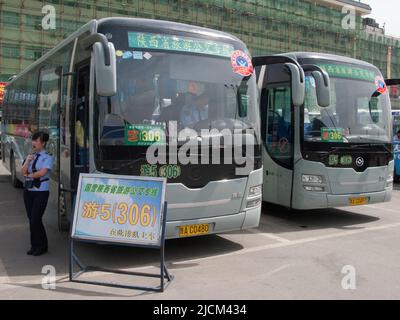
(45, 161)
(191, 114)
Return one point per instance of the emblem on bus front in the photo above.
(360, 162)
(241, 63)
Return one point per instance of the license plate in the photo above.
(358, 201)
(194, 230)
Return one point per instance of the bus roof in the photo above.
(141, 23)
(326, 56)
(93, 25)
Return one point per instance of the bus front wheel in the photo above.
(14, 180)
(63, 222)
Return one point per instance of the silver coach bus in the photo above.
(107, 93)
(329, 154)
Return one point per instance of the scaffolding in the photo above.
(266, 26)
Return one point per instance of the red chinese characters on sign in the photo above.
(133, 135)
(241, 63)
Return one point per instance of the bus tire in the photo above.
(64, 225)
(63, 222)
(14, 180)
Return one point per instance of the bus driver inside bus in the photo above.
(196, 108)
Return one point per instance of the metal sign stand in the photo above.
(163, 275)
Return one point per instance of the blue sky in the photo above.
(386, 11)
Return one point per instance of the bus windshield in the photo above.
(359, 110)
(158, 87)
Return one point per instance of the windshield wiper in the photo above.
(199, 136)
(334, 149)
(129, 163)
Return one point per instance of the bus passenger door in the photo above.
(277, 135)
(73, 159)
(80, 125)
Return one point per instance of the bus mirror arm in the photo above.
(322, 84)
(275, 59)
(88, 42)
(298, 84)
(389, 83)
(313, 67)
(392, 82)
(104, 61)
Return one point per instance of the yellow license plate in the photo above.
(358, 201)
(194, 230)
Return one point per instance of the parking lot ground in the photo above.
(291, 255)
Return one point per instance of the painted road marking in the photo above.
(281, 244)
(384, 209)
(269, 235)
(3, 274)
(285, 266)
(294, 242)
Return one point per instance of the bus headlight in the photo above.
(253, 203)
(310, 178)
(254, 196)
(255, 191)
(389, 180)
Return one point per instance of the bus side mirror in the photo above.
(105, 71)
(373, 108)
(323, 85)
(298, 84)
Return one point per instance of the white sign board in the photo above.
(120, 209)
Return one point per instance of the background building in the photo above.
(267, 26)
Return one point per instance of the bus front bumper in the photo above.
(315, 200)
(243, 220)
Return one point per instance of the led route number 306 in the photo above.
(121, 213)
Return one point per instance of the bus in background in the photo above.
(2, 90)
(107, 93)
(321, 156)
(396, 144)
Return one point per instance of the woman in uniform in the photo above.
(36, 170)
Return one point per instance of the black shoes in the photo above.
(37, 252)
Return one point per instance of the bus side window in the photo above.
(278, 137)
(48, 102)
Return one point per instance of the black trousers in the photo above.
(35, 205)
